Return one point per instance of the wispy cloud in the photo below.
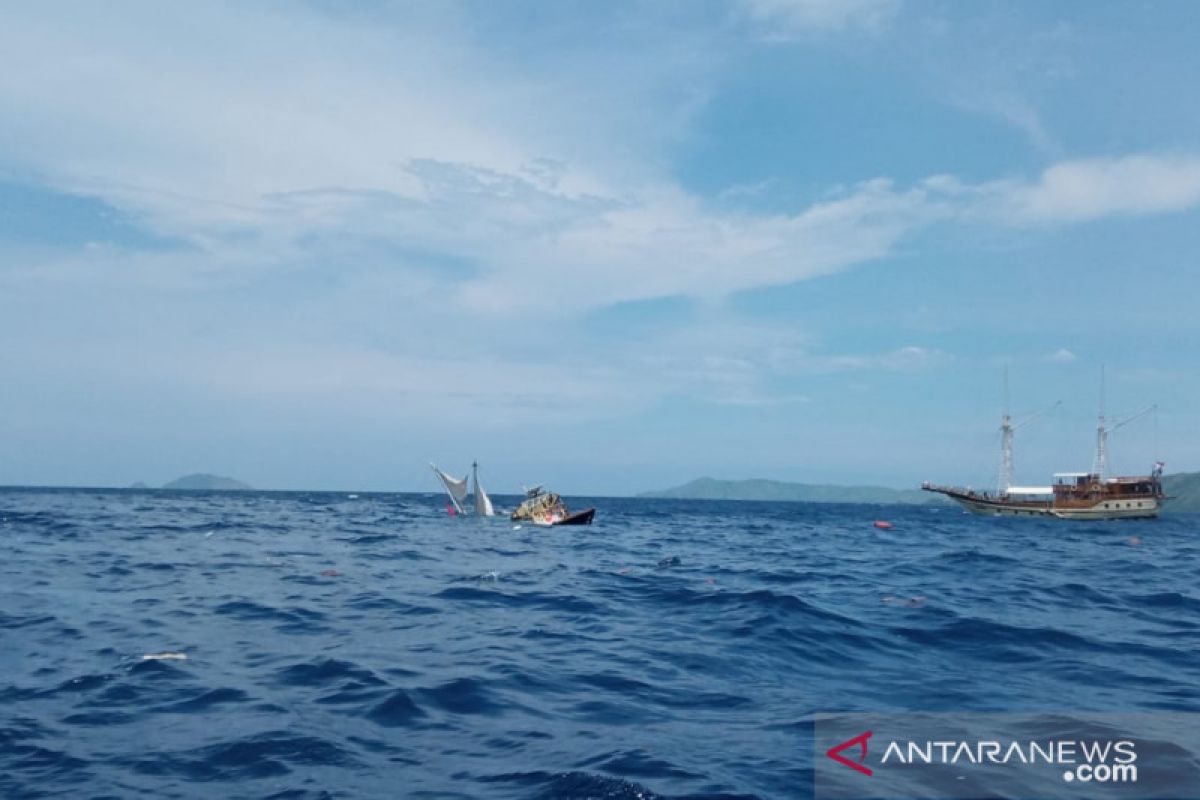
(1076, 191)
(1061, 356)
(904, 359)
(403, 223)
(1090, 189)
(1010, 107)
(422, 167)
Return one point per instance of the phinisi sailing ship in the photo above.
(1073, 495)
(457, 489)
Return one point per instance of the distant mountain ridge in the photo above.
(202, 481)
(783, 491)
(1184, 490)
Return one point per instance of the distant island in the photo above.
(1182, 488)
(782, 491)
(203, 482)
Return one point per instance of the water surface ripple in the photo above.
(371, 646)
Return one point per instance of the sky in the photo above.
(609, 247)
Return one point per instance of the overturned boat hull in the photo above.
(578, 518)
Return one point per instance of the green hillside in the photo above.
(203, 482)
(1184, 491)
(758, 489)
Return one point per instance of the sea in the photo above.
(339, 645)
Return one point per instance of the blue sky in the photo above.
(607, 246)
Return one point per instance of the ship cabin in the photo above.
(1078, 485)
(1073, 484)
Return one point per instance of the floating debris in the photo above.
(669, 561)
(883, 525)
(1135, 540)
(903, 602)
(351, 497)
(165, 657)
(331, 573)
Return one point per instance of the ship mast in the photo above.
(1100, 464)
(1007, 428)
(1006, 445)
(1121, 423)
(1103, 429)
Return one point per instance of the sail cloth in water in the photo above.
(456, 488)
(483, 503)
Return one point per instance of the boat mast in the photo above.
(1100, 464)
(1006, 445)
(1007, 428)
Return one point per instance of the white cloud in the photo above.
(442, 202)
(904, 359)
(1090, 189)
(417, 148)
(192, 117)
(1061, 356)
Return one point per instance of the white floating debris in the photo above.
(165, 657)
(516, 527)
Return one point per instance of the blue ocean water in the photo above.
(371, 646)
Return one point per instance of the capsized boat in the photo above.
(457, 489)
(1073, 495)
(547, 508)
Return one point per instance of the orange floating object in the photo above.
(883, 525)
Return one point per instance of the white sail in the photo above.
(483, 503)
(456, 488)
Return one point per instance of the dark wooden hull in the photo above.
(1104, 507)
(578, 518)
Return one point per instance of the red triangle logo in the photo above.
(835, 753)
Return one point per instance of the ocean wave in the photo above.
(376, 648)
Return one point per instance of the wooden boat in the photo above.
(547, 508)
(1073, 495)
(578, 518)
